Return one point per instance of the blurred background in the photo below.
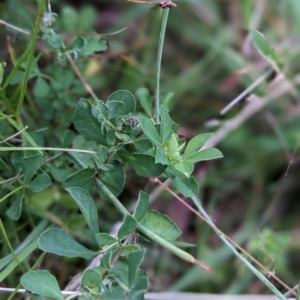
(252, 194)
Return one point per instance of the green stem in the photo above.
(233, 249)
(151, 235)
(158, 61)
(30, 59)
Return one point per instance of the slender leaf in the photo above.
(166, 125)
(264, 49)
(87, 207)
(141, 207)
(206, 154)
(150, 130)
(196, 143)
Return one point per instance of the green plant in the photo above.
(113, 135)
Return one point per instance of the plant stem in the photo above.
(233, 249)
(30, 59)
(151, 235)
(158, 61)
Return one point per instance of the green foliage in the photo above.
(47, 286)
(84, 194)
(264, 49)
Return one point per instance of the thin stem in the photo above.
(233, 249)
(158, 61)
(217, 230)
(46, 148)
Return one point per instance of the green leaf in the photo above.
(15, 210)
(141, 207)
(30, 165)
(87, 207)
(58, 174)
(87, 17)
(140, 289)
(143, 164)
(126, 98)
(82, 179)
(145, 100)
(113, 178)
(39, 183)
(93, 44)
(68, 138)
(134, 261)
(115, 293)
(92, 278)
(196, 143)
(166, 125)
(142, 145)
(174, 148)
(43, 283)
(2, 71)
(161, 157)
(264, 49)
(87, 124)
(104, 239)
(41, 87)
(166, 100)
(57, 241)
(55, 40)
(186, 186)
(99, 109)
(185, 167)
(128, 226)
(123, 137)
(161, 225)
(150, 130)
(115, 109)
(77, 44)
(206, 154)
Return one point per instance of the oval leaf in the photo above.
(55, 240)
(128, 226)
(145, 100)
(41, 87)
(42, 283)
(186, 186)
(206, 154)
(83, 179)
(185, 168)
(15, 210)
(161, 225)
(196, 143)
(30, 165)
(39, 183)
(135, 259)
(92, 278)
(104, 239)
(87, 124)
(113, 178)
(143, 164)
(87, 207)
(126, 98)
(150, 130)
